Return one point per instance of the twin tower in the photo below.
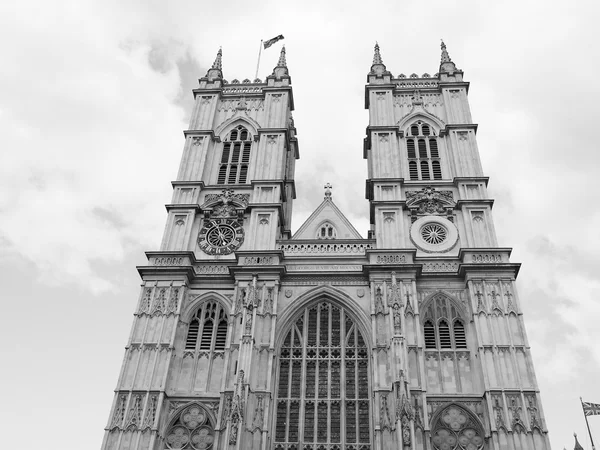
(246, 336)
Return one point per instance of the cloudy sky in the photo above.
(93, 100)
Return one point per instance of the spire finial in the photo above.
(282, 62)
(218, 65)
(328, 187)
(377, 56)
(445, 55)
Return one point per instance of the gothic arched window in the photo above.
(192, 430)
(208, 329)
(323, 385)
(326, 231)
(424, 164)
(443, 328)
(235, 158)
(455, 429)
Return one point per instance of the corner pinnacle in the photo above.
(218, 60)
(377, 56)
(282, 62)
(445, 55)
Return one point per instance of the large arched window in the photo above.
(235, 157)
(208, 329)
(423, 154)
(455, 429)
(323, 384)
(443, 328)
(192, 430)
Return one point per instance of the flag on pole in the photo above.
(591, 409)
(270, 42)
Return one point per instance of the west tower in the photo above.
(246, 337)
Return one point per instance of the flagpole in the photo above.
(258, 62)
(587, 423)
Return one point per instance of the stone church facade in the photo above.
(248, 337)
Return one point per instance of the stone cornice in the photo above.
(457, 180)
(210, 133)
(459, 127)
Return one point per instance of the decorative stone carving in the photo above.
(150, 412)
(429, 201)
(395, 301)
(236, 415)
(494, 296)
(197, 140)
(509, 303)
(440, 267)
(324, 249)
(173, 300)
(119, 414)
(514, 406)
(227, 196)
(498, 411)
(160, 304)
(534, 418)
(268, 306)
(258, 260)
(206, 269)
(257, 423)
(360, 293)
(240, 301)
(146, 301)
(288, 293)
(134, 417)
(480, 305)
(385, 421)
(379, 307)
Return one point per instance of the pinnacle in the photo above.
(282, 62)
(445, 55)
(218, 60)
(377, 56)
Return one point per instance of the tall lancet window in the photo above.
(235, 158)
(423, 154)
(323, 385)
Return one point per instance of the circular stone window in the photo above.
(434, 234)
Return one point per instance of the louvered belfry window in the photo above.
(235, 158)
(208, 329)
(443, 328)
(323, 385)
(423, 154)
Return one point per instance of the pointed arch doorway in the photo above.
(323, 383)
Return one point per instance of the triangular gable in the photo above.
(327, 212)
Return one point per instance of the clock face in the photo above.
(220, 236)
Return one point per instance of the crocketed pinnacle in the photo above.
(377, 56)
(577, 444)
(282, 62)
(445, 55)
(218, 60)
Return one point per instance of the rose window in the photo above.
(434, 233)
(455, 429)
(192, 430)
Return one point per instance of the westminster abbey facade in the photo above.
(246, 336)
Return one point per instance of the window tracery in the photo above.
(455, 429)
(323, 385)
(235, 158)
(192, 430)
(423, 154)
